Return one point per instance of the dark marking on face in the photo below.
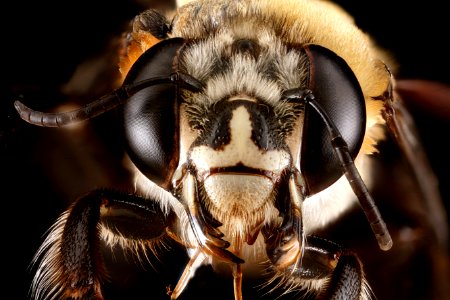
(246, 46)
(217, 132)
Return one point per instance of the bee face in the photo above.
(238, 166)
(241, 151)
(246, 123)
(240, 122)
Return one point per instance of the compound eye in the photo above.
(150, 116)
(336, 88)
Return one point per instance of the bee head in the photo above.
(240, 118)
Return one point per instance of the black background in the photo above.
(43, 43)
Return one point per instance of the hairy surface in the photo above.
(272, 63)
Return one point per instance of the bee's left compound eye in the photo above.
(150, 116)
(337, 90)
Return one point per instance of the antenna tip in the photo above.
(18, 105)
(385, 242)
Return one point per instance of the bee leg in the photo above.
(195, 261)
(237, 281)
(326, 264)
(70, 263)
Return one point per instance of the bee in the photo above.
(250, 128)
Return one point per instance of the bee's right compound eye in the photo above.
(337, 90)
(150, 116)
